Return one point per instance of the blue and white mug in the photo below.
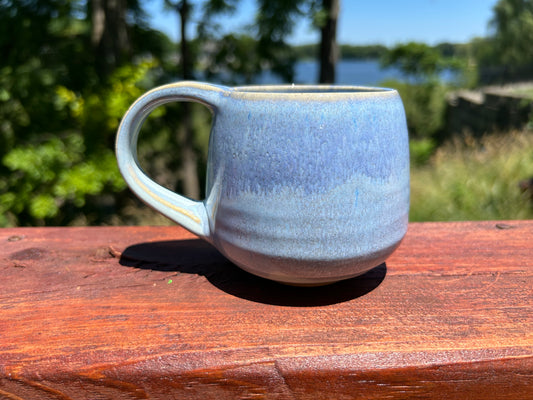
(306, 185)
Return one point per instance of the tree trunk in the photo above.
(189, 158)
(186, 61)
(98, 22)
(185, 133)
(328, 42)
(109, 34)
(119, 30)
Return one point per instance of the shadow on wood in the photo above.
(195, 256)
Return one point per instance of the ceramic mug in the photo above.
(306, 185)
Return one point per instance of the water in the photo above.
(349, 72)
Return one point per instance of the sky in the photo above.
(363, 22)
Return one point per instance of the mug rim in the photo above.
(310, 92)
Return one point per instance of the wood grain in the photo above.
(155, 313)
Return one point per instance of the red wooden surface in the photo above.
(154, 313)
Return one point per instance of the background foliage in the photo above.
(67, 76)
(470, 179)
(60, 113)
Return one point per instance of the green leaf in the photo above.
(43, 206)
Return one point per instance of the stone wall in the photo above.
(490, 109)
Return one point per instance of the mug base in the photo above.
(306, 273)
(311, 285)
(310, 282)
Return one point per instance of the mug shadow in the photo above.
(198, 257)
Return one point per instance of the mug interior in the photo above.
(294, 89)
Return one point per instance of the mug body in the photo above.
(308, 184)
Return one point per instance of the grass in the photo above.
(525, 92)
(469, 179)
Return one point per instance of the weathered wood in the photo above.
(143, 312)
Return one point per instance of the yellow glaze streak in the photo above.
(180, 210)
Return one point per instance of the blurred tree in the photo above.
(483, 50)
(346, 51)
(513, 34)
(276, 20)
(235, 60)
(59, 113)
(109, 33)
(112, 37)
(513, 29)
(184, 136)
(328, 40)
(418, 60)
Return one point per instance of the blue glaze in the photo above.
(306, 184)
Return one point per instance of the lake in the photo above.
(349, 72)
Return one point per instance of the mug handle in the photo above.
(190, 214)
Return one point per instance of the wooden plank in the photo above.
(153, 312)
